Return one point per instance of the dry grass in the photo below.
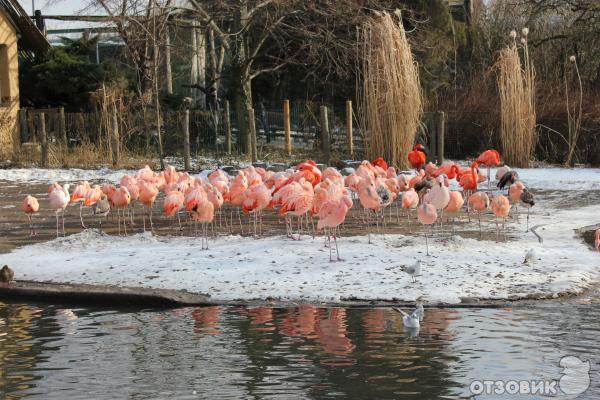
(389, 97)
(516, 85)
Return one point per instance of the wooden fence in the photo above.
(293, 126)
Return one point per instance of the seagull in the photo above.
(410, 320)
(413, 270)
(530, 257)
(101, 208)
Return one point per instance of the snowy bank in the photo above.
(240, 268)
(550, 178)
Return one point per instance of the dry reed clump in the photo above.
(389, 96)
(516, 85)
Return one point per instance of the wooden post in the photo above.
(252, 127)
(325, 134)
(168, 69)
(287, 127)
(194, 70)
(431, 124)
(115, 140)
(186, 140)
(441, 130)
(227, 127)
(349, 127)
(62, 125)
(43, 140)
(24, 125)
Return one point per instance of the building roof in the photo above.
(31, 39)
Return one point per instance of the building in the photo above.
(18, 37)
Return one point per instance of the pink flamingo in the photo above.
(297, 201)
(489, 158)
(79, 194)
(480, 202)
(439, 197)
(500, 208)
(258, 197)
(93, 196)
(332, 214)
(121, 199)
(205, 214)
(427, 215)
(597, 242)
(173, 203)
(30, 206)
(410, 201)
(59, 199)
(369, 199)
(455, 204)
(130, 182)
(147, 196)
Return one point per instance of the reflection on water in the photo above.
(301, 352)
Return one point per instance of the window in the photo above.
(4, 75)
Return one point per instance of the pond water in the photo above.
(51, 352)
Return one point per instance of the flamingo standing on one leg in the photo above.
(30, 206)
(439, 196)
(527, 201)
(500, 208)
(489, 158)
(427, 216)
(59, 199)
(410, 201)
(79, 194)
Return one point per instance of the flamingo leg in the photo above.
(81, 215)
(527, 230)
(240, 220)
(124, 222)
(426, 242)
(479, 216)
(329, 243)
(337, 250)
(56, 223)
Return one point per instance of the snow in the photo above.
(38, 175)
(535, 178)
(244, 268)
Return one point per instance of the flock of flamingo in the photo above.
(304, 192)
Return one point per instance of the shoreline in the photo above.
(114, 296)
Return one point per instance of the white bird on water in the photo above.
(413, 270)
(530, 257)
(411, 320)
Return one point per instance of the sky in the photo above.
(60, 7)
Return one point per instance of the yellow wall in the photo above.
(9, 89)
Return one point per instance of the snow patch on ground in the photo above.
(535, 178)
(245, 268)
